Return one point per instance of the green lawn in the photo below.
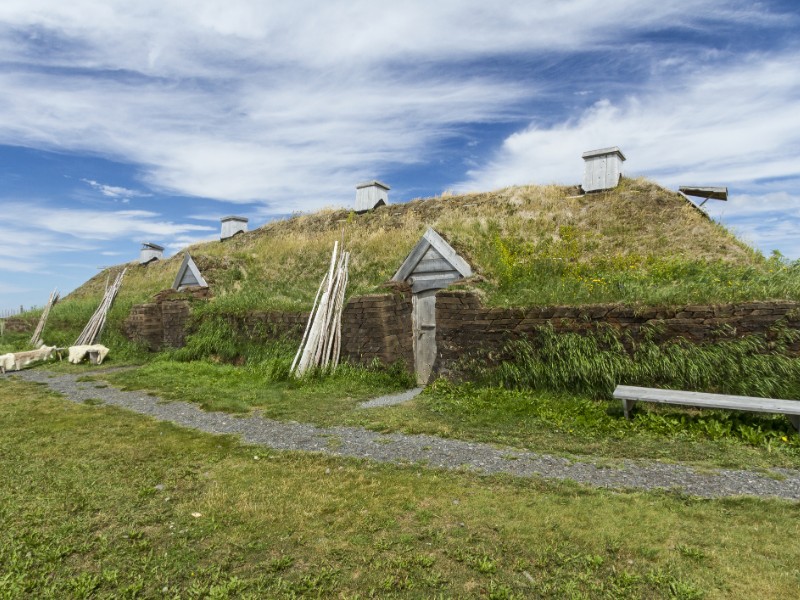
(542, 421)
(100, 503)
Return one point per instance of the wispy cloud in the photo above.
(116, 192)
(726, 125)
(769, 221)
(286, 106)
(85, 224)
(290, 105)
(35, 238)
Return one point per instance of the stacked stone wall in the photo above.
(463, 324)
(373, 327)
(19, 325)
(270, 325)
(163, 322)
(378, 326)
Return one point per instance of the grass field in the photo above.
(100, 503)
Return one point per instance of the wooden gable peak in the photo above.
(188, 275)
(421, 264)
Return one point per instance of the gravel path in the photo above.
(432, 451)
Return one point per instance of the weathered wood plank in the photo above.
(433, 265)
(750, 403)
(430, 281)
(432, 254)
(448, 253)
(411, 260)
(631, 394)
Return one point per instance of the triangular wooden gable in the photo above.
(432, 264)
(188, 275)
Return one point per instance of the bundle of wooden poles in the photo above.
(94, 327)
(36, 338)
(322, 341)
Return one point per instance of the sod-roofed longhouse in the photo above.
(582, 259)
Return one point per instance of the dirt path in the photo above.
(429, 450)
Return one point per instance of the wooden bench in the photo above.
(630, 395)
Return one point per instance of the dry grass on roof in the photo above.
(281, 263)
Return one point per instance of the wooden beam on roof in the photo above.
(707, 192)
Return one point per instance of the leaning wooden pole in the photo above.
(321, 343)
(95, 326)
(36, 338)
(311, 352)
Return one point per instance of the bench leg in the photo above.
(627, 407)
(795, 420)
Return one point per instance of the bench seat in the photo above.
(631, 394)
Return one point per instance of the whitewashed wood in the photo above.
(631, 394)
(150, 252)
(602, 169)
(321, 344)
(308, 325)
(188, 275)
(97, 322)
(371, 194)
(443, 251)
(423, 321)
(36, 338)
(312, 351)
(231, 225)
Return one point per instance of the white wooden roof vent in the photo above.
(602, 169)
(150, 252)
(231, 225)
(371, 194)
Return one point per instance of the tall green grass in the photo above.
(68, 319)
(566, 272)
(215, 332)
(594, 364)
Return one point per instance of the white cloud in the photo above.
(722, 126)
(86, 224)
(116, 192)
(289, 105)
(286, 104)
(202, 37)
(768, 221)
(183, 241)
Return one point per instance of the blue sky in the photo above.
(123, 122)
